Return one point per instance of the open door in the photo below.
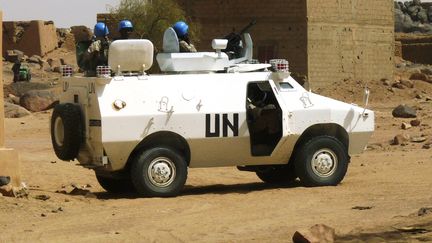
(264, 118)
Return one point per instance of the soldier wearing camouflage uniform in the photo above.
(97, 52)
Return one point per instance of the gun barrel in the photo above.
(248, 27)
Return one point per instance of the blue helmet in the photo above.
(101, 30)
(181, 28)
(125, 25)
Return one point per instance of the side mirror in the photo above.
(219, 44)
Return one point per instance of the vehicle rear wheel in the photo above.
(322, 161)
(277, 174)
(159, 172)
(66, 130)
(115, 185)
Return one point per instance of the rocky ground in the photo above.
(385, 196)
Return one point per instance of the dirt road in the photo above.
(223, 204)
(220, 204)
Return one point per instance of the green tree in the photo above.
(152, 17)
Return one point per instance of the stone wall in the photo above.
(33, 37)
(327, 40)
(350, 40)
(416, 48)
(280, 31)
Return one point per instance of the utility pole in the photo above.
(9, 160)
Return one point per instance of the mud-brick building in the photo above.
(31, 37)
(327, 40)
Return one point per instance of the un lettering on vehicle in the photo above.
(222, 125)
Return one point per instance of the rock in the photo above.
(430, 14)
(15, 111)
(427, 146)
(419, 96)
(401, 139)
(35, 59)
(14, 55)
(17, 192)
(60, 209)
(42, 197)
(56, 69)
(398, 85)
(361, 208)
(38, 100)
(375, 146)
(76, 190)
(404, 111)
(424, 211)
(419, 76)
(4, 180)
(13, 99)
(418, 139)
(20, 88)
(79, 192)
(386, 82)
(426, 70)
(415, 123)
(54, 62)
(405, 126)
(407, 83)
(319, 233)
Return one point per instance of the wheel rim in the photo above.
(161, 172)
(324, 163)
(59, 131)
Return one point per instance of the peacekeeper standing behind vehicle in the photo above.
(97, 52)
(181, 29)
(16, 70)
(125, 28)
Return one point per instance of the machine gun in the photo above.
(234, 47)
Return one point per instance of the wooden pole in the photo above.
(2, 126)
(9, 160)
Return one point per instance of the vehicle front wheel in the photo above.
(322, 161)
(159, 172)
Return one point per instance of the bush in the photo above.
(152, 18)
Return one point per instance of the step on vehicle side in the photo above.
(142, 132)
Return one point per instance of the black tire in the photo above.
(115, 185)
(331, 160)
(67, 132)
(277, 174)
(165, 160)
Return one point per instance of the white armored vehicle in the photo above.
(142, 132)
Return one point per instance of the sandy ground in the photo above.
(223, 204)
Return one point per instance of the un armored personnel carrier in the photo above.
(142, 132)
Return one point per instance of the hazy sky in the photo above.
(64, 13)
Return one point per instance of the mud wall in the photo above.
(416, 48)
(327, 40)
(33, 38)
(350, 40)
(280, 32)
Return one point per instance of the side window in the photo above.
(285, 86)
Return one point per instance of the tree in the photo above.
(152, 17)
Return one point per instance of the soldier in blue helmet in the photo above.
(181, 29)
(125, 28)
(97, 52)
